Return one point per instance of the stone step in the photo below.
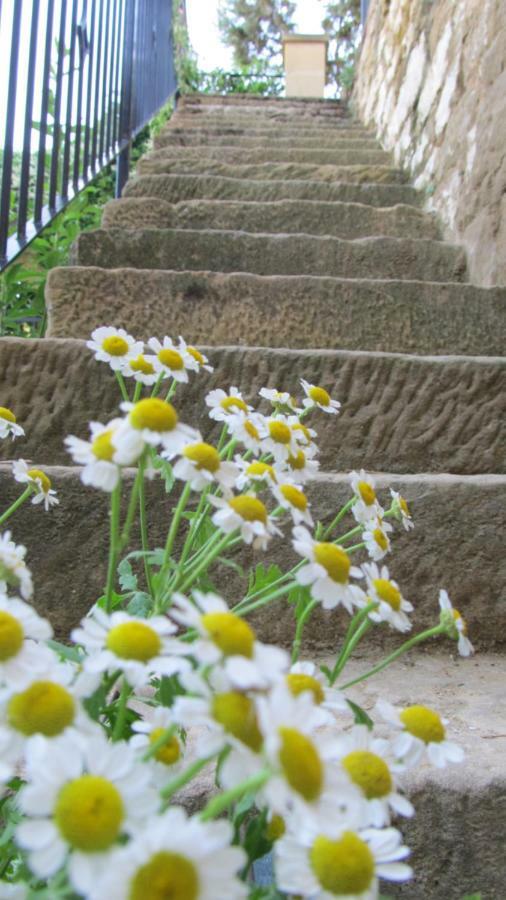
(259, 102)
(263, 131)
(265, 254)
(266, 171)
(262, 112)
(400, 413)
(175, 188)
(238, 119)
(280, 311)
(268, 153)
(199, 137)
(451, 515)
(344, 220)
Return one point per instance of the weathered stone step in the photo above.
(175, 188)
(281, 311)
(451, 514)
(328, 136)
(258, 102)
(266, 254)
(238, 119)
(400, 413)
(345, 220)
(267, 171)
(195, 137)
(269, 153)
(261, 111)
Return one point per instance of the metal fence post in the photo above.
(123, 158)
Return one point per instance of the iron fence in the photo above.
(85, 76)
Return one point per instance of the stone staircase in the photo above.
(278, 234)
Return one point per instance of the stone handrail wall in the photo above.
(432, 81)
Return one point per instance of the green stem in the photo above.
(172, 390)
(223, 436)
(160, 742)
(358, 618)
(144, 527)
(122, 386)
(185, 777)
(137, 391)
(174, 525)
(354, 547)
(17, 503)
(342, 512)
(132, 506)
(306, 613)
(113, 546)
(119, 724)
(218, 804)
(157, 384)
(423, 636)
(357, 530)
(285, 589)
(194, 528)
(217, 549)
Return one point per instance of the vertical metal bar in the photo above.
(94, 143)
(104, 81)
(364, 8)
(119, 56)
(53, 181)
(27, 130)
(89, 91)
(5, 201)
(70, 100)
(46, 74)
(126, 97)
(110, 111)
(82, 34)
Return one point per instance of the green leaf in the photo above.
(230, 564)
(261, 578)
(360, 715)
(127, 578)
(166, 471)
(73, 654)
(140, 605)
(326, 671)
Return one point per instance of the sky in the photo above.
(205, 37)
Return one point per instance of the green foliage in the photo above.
(254, 28)
(252, 79)
(341, 24)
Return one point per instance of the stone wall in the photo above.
(432, 82)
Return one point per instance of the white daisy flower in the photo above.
(306, 676)
(111, 447)
(318, 396)
(247, 430)
(13, 570)
(455, 624)
(280, 398)
(114, 346)
(369, 764)
(20, 655)
(375, 537)
(169, 760)
(171, 360)
(422, 734)
(201, 360)
(227, 639)
(40, 481)
(223, 406)
(176, 856)
(13, 891)
(157, 423)
(140, 369)
(8, 424)
(328, 572)
(254, 473)
(140, 648)
(402, 510)
(246, 513)
(301, 467)
(201, 465)
(392, 607)
(279, 438)
(366, 506)
(329, 861)
(290, 497)
(82, 795)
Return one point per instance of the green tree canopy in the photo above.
(254, 28)
(341, 23)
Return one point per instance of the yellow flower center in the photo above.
(232, 635)
(319, 395)
(44, 708)
(102, 447)
(423, 723)
(261, 470)
(205, 456)
(298, 683)
(279, 432)
(236, 714)
(294, 497)
(167, 876)
(171, 750)
(233, 403)
(370, 772)
(404, 507)
(134, 640)
(275, 828)
(367, 493)
(115, 345)
(298, 461)
(41, 476)
(251, 509)
(141, 364)
(11, 636)
(171, 358)
(7, 414)
(334, 560)
(380, 538)
(299, 426)
(197, 355)
(387, 592)
(88, 813)
(301, 763)
(251, 430)
(342, 867)
(459, 618)
(155, 414)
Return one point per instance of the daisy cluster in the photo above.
(165, 693)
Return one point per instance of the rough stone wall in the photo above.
(432, 81)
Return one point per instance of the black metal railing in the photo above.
(85, 76)
(364, 9)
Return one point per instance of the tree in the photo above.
(341, 24)
(254, 28)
